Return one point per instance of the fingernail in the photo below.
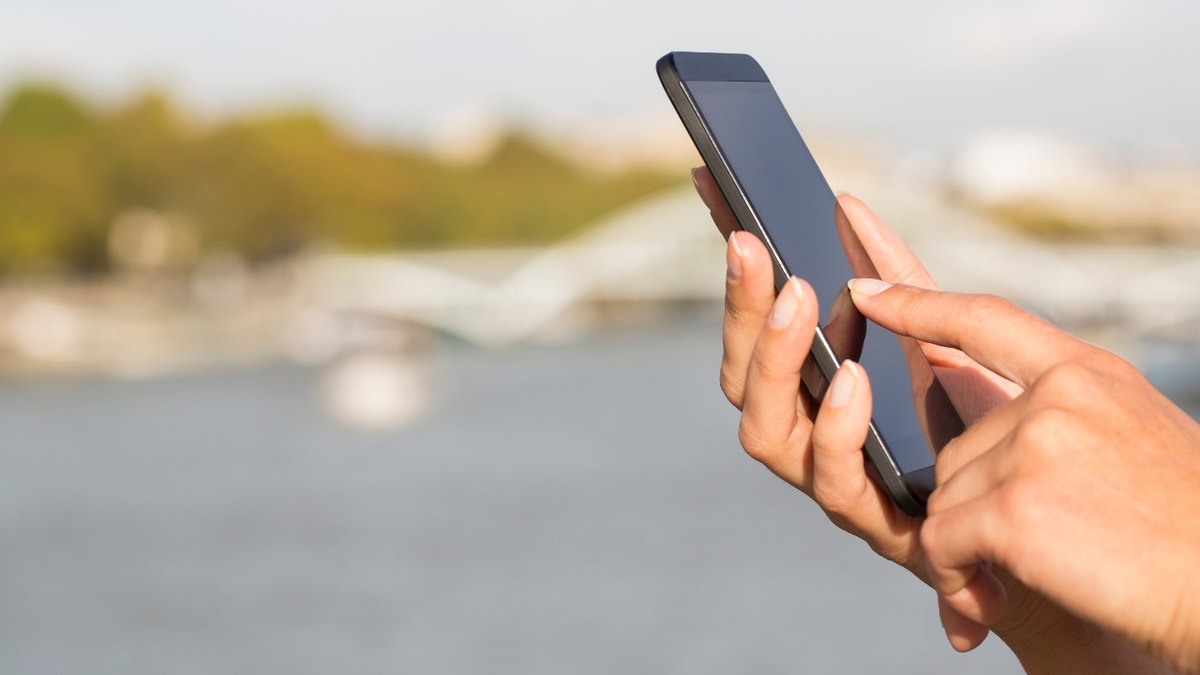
(843, 385)
(867, 287)
(733, 258)
(787, 305)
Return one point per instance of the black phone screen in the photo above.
(798, 212)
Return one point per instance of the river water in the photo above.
(574, 508)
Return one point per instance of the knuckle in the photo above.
(732, 385)
(1066, 385)
(912, 274)
(1104, 361)
(1042, 423)
(1064, 377)
(930, 534)
(842, 502)
(945, 465)
(1019, 502)
(838, 506)
(738, 312)
(933, 503)
(935, 540)
(762, 366)
(985, 308)
(753, 442)
(1081, 373)
(1038, 436)
(890, 550)
(732, 308)
(942, 471)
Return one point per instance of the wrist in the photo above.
(1047, 639)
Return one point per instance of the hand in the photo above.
(820, 452)
(1086, 487)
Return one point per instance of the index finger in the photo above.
(994, 332)
(884, 251)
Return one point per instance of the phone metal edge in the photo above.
(910, 501)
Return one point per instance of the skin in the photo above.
(818, 450)
(1086, 487)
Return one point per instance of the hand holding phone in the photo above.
(822, 462)
(776, 191)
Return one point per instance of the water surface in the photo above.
(573, 508)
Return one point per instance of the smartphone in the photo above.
(774, 187)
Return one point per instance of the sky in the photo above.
(919, 74)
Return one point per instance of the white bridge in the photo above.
(665, 249)
(659, 250)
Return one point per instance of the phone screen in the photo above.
(798, 211)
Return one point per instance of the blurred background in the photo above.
(383, 337)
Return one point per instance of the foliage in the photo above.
(267, 185)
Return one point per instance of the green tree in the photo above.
(267, 185)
